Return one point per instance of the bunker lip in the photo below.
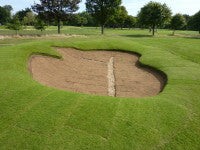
(88, 72)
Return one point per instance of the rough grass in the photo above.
(33, 116)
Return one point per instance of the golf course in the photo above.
(114, 75)
(35, 116)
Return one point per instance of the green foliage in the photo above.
(121, 19)
(154, 15)
(102, 10)
(15, 24)
(187, 18)
(29, 19)
(194, 22)
(88, 17)
(40, 25)
(178, 21)
(22, 13)
(130, 21)
(79, 20)
(56, 11)
(5, 14)
(112, 22)
(120, 16)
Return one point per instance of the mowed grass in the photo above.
(33, 116)
(136, 32)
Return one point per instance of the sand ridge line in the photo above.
(111, 78)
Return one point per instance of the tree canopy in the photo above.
(120, 16)
(154, 15)
(15, 24)
(39, 24)
(194, 22)
(56, 10)
(29, 19)
(5, 14)
(178, 21)
(102, 10)
(130, 21)
(22, 13)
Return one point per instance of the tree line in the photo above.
(104, 13)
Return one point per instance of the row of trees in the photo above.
(156, 15)
(104, 13)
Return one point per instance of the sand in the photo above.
(108, 73)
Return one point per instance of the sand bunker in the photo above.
(108, 73)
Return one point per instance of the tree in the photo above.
(40, 25)
(102, 10)
(78, 20)
(5, 14)
(90, 20)
(130, 21)
(15, 24)
(29, 19)
(187, 18)
(22, 13)
(56, 10)
(120, 16)
(8, 8)
(83, 21)
(177, 22)
(195, 22)
(154, 15)
(112, 22)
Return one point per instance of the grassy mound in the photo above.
(33, 116)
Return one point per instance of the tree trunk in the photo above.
(150, 30)
(58, 26)
(153, 31)
(102, 29)
(17, 32)
(173, 32)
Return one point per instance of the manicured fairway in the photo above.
(35, 117)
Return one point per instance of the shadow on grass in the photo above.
(137, 35)
(194, 37)
(188, 36)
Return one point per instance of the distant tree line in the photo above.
(104, 13)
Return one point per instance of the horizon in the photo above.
(133, 6)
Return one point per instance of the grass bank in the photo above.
(33, 116)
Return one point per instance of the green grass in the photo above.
(94, 31)
(36, 117)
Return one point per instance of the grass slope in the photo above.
(33, 116)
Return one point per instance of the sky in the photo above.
(133, 6)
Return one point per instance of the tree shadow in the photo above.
(194, 37)
(137, 35)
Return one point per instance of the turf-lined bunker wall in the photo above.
(108, 73)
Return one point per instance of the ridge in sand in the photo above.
(108, 73)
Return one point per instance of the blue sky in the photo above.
(133, 6)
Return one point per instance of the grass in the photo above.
(33, 116)
(94, 31)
